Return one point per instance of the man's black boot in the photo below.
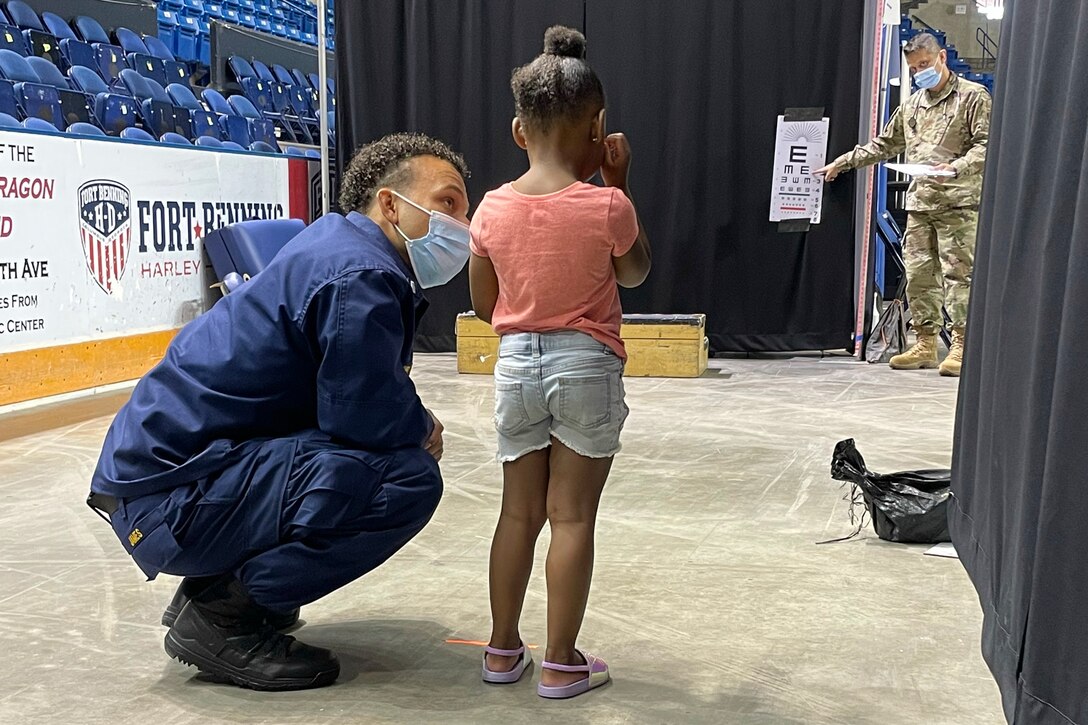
(192, 585)
(223, 633)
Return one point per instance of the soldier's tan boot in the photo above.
(950, 368)
(922, 355)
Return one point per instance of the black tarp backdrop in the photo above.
(696, 86)
(1020, 515)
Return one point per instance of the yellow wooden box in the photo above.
(660, 346)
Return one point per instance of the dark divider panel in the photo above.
(228, 40)
(136, 15)
(697, 86)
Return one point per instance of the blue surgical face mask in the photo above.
(928, 78)
(438, 256)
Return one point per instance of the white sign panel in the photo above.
(102, 238)
(892, 12)
(800, 149)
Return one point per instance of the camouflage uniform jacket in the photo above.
(951, 127)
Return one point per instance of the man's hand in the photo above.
(433, 444)
(617, 161)
(946, 167)
(829, 172)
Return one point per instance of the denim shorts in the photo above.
(561, 384)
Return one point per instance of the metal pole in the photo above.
(323, 105)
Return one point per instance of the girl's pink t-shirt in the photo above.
(553, 257)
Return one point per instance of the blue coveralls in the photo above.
(280, 438)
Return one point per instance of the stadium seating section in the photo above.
(69, 74)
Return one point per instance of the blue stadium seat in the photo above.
(247, 20)
(11, 39)
(188, 32)
(194, 8)
(246, 248)
(156, 110)
(208, 141)
(260, 95)
(294, 151)
(73, 51)
(85, 129)
(90, 30)
(307, 38)
(301, 101)
(260, 128)
(262, 147)
(168, 28)
(232, 126)
(33, 97)
(8, 121)
(139, 57)
(283, 75)
(247, 6)
(233, 146)
(204, 42)
(137, 134)
(176, 71)
(175, 139)
(39, 41)
(8, 103)
(230, 15)
(109, 58)
(295, 127)
(313, 154)
(176, 6)
(213, 11)
(75, 105)
(202, 121)
(240, 68)
(279, 28)
(113, 109)
(109, 61)
(40, 124)
(264, 25)
(263, 71)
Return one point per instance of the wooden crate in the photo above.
(661, 346)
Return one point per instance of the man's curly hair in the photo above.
(382, 163)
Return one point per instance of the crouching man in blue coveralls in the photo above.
(279, 451)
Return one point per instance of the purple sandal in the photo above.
(510, 676)
(596, 675)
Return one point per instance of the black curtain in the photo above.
(1020, 514)
(442, 68)
(697, 86)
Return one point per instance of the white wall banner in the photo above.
(800, 148)
(102, 238)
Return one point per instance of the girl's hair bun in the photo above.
(565, 42)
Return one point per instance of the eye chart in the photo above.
(800, 149)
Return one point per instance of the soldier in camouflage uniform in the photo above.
(945, 124)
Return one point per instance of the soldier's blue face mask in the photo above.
(440, 254)
(928, 78)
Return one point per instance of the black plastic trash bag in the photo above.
(909, 507)
(890, 336)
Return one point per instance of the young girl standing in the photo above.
(548, 252)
